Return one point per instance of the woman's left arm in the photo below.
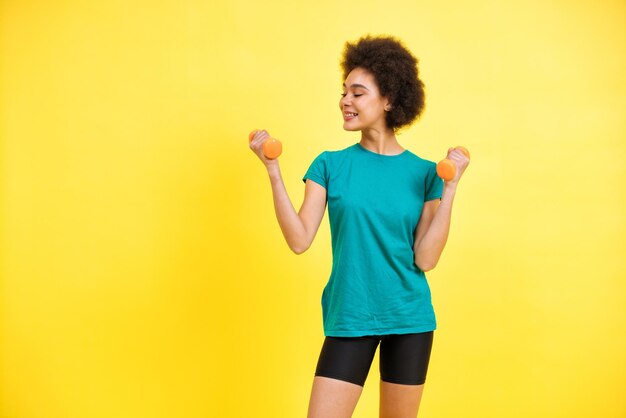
(433, 227)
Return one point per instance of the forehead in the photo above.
(362, 77)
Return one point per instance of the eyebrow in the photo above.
(356, 85)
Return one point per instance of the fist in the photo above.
(460, 157)
(264, 146)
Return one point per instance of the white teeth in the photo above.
(351, 114)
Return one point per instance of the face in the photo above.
(361, 104)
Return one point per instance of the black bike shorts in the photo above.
(403, 358)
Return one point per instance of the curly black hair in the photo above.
(395, 71)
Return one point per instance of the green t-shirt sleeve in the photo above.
(434, 184)
(318, 170)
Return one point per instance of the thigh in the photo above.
(333, 398)
(399, 400)
(347, 358)
(404, 358)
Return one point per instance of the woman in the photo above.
(389, 214)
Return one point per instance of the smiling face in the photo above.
(361, 104)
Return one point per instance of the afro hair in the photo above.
(395, 70)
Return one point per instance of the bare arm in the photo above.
(300, 228)
(433, 227)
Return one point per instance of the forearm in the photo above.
(290, 223)
(431, 246)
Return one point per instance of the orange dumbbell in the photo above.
(272, 148)
(446, 168)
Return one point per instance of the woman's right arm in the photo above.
(300, 228)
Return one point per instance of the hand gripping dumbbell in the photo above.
(446, 169)
(272, 148)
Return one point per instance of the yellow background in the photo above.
(144, 273)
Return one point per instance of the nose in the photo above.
(344, 101)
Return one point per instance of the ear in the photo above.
(388, 105)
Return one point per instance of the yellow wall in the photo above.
(143, 270)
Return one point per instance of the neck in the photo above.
(381, 141)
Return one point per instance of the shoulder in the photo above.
(423, 163)
(343, 151)
(334, 155)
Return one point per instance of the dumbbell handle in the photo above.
(446, 169)
(272, 148)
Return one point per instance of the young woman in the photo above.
(389, 215)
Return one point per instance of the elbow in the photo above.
(425, 265)
(298, 249)
(429, 268)
(300, 243)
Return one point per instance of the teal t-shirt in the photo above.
(374, 204)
